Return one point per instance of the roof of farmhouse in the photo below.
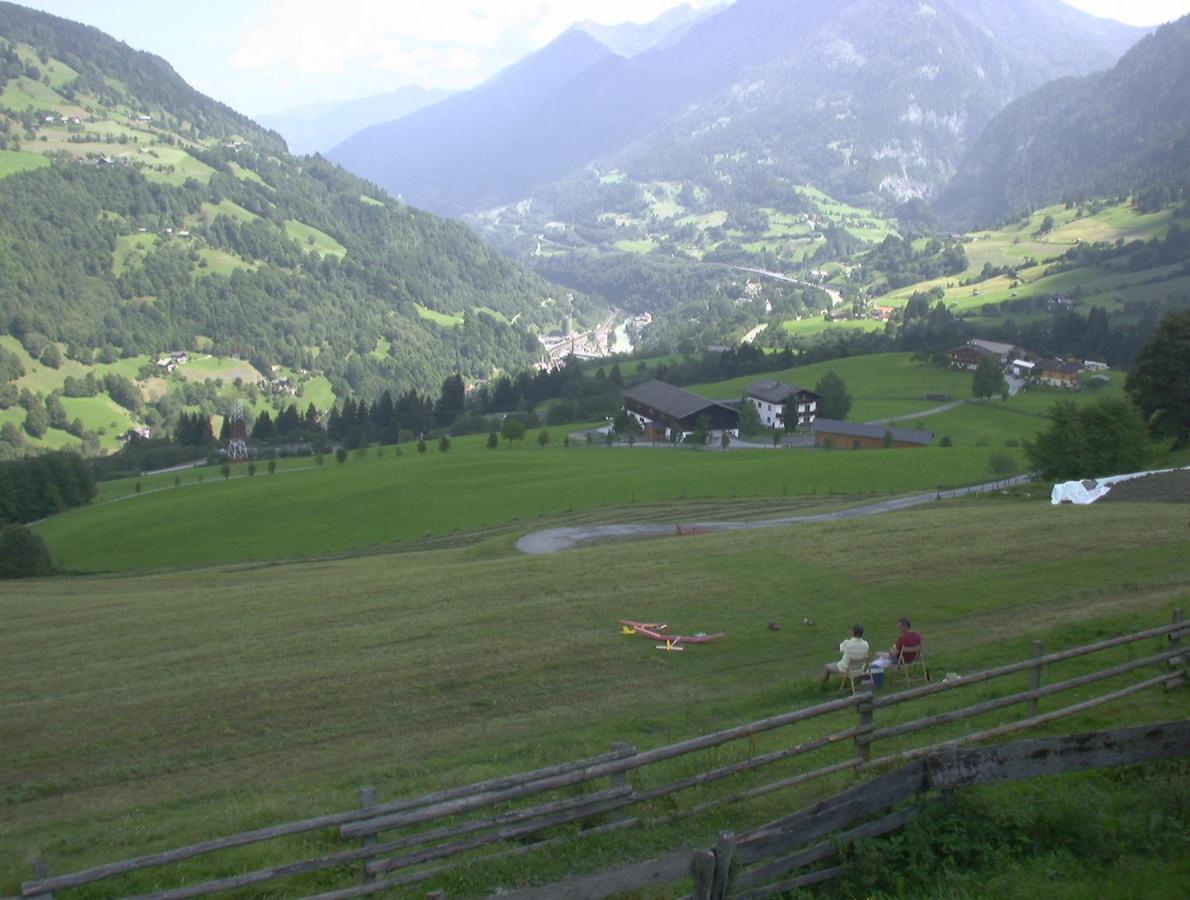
(774, 391)
(665, 398)
(857, 429)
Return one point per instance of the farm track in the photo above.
(551, 540)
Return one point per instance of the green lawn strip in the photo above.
(378, 500)
(13, 161)
(227, 207)
(250, 695)
(173, 165)
(446, 320)
(312, 239)
(644, 245)
(882, 384)
(369, 201)
(23, 93)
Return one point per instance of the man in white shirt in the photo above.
(855, 653)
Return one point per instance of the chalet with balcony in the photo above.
(779, 403)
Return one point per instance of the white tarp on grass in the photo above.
(1091, 489)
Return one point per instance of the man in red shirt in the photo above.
(903, 648)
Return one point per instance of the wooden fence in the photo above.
(407, 841)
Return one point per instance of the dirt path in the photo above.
(551, 540)
(918, 415)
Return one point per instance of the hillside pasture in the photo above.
(381, 500)
(14, 161)
(131, 250)
(446, 320)
(248, 696)
(173, 165)
(881, 385)
(313, 240)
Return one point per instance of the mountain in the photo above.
(138, 216)
(631, 38)
(1121, 131)
(861, 96)
(475, 140)
(320, 126)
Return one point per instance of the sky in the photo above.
(265, 56)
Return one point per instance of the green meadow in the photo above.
(312, 239)
(446, 320)
(307, 510)
(251, 695)
(881, 384)
(13, 161)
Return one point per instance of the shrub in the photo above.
(23, 553)
(341, 454)
(946, 441)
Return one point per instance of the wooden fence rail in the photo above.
(447, 828)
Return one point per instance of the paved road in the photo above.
(551, 540)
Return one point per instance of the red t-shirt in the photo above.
(904, 644)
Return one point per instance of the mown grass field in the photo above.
(13, 161)
(312, 239)
(310, 510)
(881, 385)
(145, 711)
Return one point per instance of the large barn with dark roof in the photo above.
(661, 409)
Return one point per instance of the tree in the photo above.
(988, 379)
(37, 420)
(22, 553)
(421, 445)
(493, 440)
(725, 439)
(750, 423)
(1159, 382)
(443, 444)
(834, 402)
(887, 440)
(251, 468)
(1106, 437)
(512, 429)
(340, 454)
(272, 466)
(543, 439)
(226, 470)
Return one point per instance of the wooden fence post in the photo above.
(703, 865)
(1175, 643)
(1034, 681)
(724, 851)
(367, 798)
(620, 779)
(40, 871)
(863, 744)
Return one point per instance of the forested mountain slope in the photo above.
(1121, 131)
(139, 216)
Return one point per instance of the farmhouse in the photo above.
(856, 436)
(778, 403)
(1057, 372)
(663, 410)
(968, 355)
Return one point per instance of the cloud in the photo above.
(441, 43)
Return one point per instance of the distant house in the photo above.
(134, 434)
(664, 411)
(1022, 368)
(883, 313)
(968, 355)
(857, 436)
(1058, 373)
(778, 403)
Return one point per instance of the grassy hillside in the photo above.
(308, 510)
(254, 694)
(138, 217)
